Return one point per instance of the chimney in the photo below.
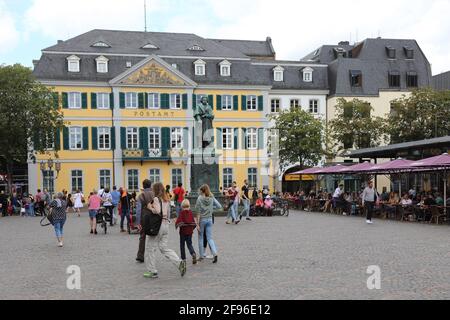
(269, 41)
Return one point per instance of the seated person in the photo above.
(268, 206)
(259, 205)
(406, 201)
(439, 200)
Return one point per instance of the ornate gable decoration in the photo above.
(153, 74)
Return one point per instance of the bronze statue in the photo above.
(204, 113)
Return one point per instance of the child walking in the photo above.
(187, 224)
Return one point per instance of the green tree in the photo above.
(300, 138)
(423, 115)
(354, 126)
(28, 113)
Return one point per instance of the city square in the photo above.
(305, 256)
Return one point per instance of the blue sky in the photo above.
(296, 27)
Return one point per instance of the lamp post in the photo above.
(50, 164)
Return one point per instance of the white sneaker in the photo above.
(344, 213)
(60, 244)
(209, 257)
(368, 222)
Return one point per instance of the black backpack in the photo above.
(152, 221)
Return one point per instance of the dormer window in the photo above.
(200, 67)
(409, 52)
(73, 64)
(355, 78)
(196, 47)
(150, 46)
(308, 74)
(101, 44)
(102, 64)
(391, 52)
(278, 74)
(225, 68)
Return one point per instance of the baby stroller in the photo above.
(131, 226)
(103, 218)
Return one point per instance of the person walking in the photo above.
(94, 203)
(70, 203)
(187, 225)
(107, 203)
(179, 194)
(115, 196)
(245, 201)
(58, 214)
(160, 205)
(4, 203)
(369, 197)
(39, 203)
(147, 193)
(233, 196)
(206, 203)
(125, 205)
(78, 201)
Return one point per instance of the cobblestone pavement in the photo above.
(304, 256)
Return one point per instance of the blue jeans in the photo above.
(59, 225)
(178, 208)
(232, 211)
(186, 240)
(125, 214)
(206, 228)
(246, 204)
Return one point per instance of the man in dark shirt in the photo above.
(245, 201)
(3, 203)
(140, 203)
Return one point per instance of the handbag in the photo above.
(152, 221)
(48, 216)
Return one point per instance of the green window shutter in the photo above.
(185, 101)
(146, 100)
(65, 100)
(211, 101)
(66, 138)
(261, 138)
(143, 140)
(122, 100)
(243, 103)
(113, 138)
(94, 138)
(165, 141)
(111, 100)
(93, 101)
(165, 101)
(219, 138)
(236, 138)
(219, 102)
(141, 101)
(123, 138)
(85, 138)
(57, 139)
(55, 96)
(260, 103)
(84, 100)
(244, 139)
(194, 101)
(186, 139)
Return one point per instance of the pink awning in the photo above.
(357, 168)
(439, 161)
(307, 171)
(395, 165)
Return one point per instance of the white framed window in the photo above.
(48, 180)
(278, 74)
(105, 178)
(196, 47)
(176, 138)
(153, 101)
(131, 100)
(177, 177)
(200, 67)
(175, 101)
(77, 180)
(295, 103)
(102, 64)
(275, 105)
(252, 103)
(132, 138)
(75, 138)
(227, 138)
(314, 106)
(104, 138)
(225, 68)
(73, 64)
(103, 100)
(154, 175)
(227, 102)
(252, 138)
(154, 138)
(50, 141)
(252, 177)
(227, 178)
(308, 74)
(74, 100)
(133, 180)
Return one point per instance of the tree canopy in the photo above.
(28, 113)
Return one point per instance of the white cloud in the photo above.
(9, 36)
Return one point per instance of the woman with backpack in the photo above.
(160, 205)
(205, 206)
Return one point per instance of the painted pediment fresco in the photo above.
(152, 73)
